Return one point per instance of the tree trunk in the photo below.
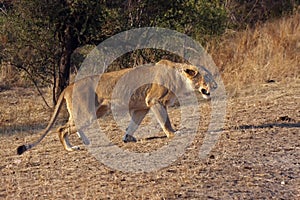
(63, 77)
(63, 74)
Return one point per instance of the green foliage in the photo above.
(82, 21)
(41, 35)
(245, 13)
(202, 20)
(29, 44)
(199, 19)
(40, 32)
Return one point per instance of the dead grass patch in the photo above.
(268, 53)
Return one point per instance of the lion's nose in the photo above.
(204, 91)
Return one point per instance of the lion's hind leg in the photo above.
(63, 134)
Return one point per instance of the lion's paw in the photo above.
(129, 138)
(76, 148)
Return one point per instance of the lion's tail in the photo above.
(21, 149)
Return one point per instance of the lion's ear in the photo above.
(190, 72)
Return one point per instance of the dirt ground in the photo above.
(256, 157)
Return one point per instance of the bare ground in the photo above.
(256, 157)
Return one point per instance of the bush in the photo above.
(245, 13)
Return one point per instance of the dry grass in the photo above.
(271, 51)
(23, 110)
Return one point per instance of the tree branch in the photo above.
(34, 83)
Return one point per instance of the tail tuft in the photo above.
(21, 149)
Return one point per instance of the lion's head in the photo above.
(200, 79)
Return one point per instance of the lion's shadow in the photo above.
(244, 127)
(269, 125)
(156, 137)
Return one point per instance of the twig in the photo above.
(3, 11)
(34, 83)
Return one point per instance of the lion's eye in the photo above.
(190, 72)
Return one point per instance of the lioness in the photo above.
(155, 96)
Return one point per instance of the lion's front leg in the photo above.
(162, 117)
